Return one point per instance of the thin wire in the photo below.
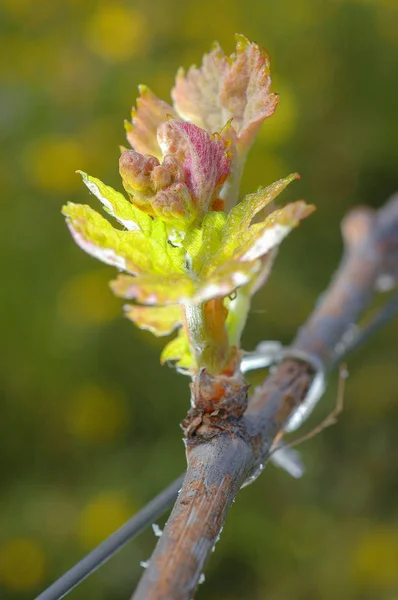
(100, 555)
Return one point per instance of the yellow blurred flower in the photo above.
(386, 21)
(379, 4)
(51, 164)
(96, 415)
(22, 564)
(87, 299)
(200, 22)
(375, 559)
(102, 516)
(16, 8)
(117, 33)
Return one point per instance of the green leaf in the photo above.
(201, 244)
(240, 217)
(117, 205)
(178, 350)
(260, 238)
(169, 259)
(130, 251)
(160, 320)
(163, 290)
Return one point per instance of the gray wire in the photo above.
(100, 555)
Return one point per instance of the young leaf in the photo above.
(117, 205)
(155, 289)
(178, 350)
(150, 113)
(160, 320)
(225, 279)
(130, 251)
(204, 159)
(263, 237)
(163, 290)
(224, 88)
(201, 244)
(239, 218)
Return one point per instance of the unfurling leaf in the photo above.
(241, 216)
(233, 87)
(263, 237)
(117, 205)
(238, 236)
(162, 290)
(160, 320)
(159, 290)
(150, 113)
(204, 159)
(97, 237)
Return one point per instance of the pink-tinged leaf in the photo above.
(160, 290)
(204, 158)
(196, 95)
(223, 88)
(246, 90)
(229, 192)
(160, 320)
(150, 112)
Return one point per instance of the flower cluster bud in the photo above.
(158, 188)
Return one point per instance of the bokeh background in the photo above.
(89, 420)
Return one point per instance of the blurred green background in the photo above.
(89, 420)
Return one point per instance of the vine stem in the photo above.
(223, 453)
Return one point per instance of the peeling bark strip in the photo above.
(224, 449)
(216, 471)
